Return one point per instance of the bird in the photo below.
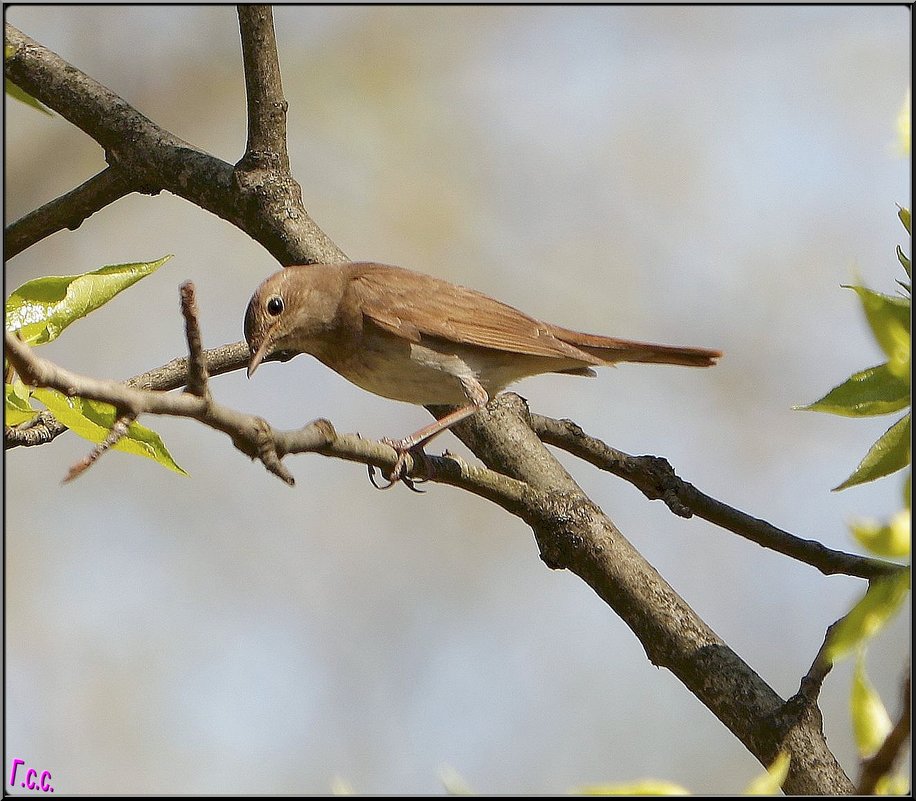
(416, 338)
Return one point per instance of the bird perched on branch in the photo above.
(415, 338)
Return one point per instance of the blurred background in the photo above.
(695, 176)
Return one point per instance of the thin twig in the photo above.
(803, 704)
(172, 375)
(197, 364)
(118, 431)
(266, 148)
(656, 479)
(254, 436)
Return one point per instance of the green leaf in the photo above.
(890, 539)
(770, 783)
(870, 722)
(93, 420)
(889, 454)
(17, 408)
(900, 350)
(880, 602)
(904, 262)
(644, 787)
(15, 91)
(24, 97)
(886, 315)
(904, 214)
(39, 310)
(892, 785)
(876, 390)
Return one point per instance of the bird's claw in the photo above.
(399, 471)
(408, 482)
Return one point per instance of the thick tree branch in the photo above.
(67, 211)
(656, 479)
(270, 211)
(575, 534)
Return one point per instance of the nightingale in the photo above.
(415, 338)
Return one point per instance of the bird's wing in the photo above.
(413, 305)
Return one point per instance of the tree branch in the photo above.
(270, 211)
(198, 377)
(249, 433)
(575, 534)
(172, 375)
(67, 211)
(656, 479)
(266, 148)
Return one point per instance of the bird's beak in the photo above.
(257, 357)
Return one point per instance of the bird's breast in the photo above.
(401, 370)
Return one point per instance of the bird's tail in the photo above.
(610, 350)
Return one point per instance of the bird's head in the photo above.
(290, 312)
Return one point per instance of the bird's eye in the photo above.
(274, 305)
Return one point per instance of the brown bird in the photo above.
(411, 337)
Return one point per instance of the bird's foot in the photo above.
(399, 471)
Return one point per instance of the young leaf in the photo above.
(870, 722)
(24, 97)
(904, 262)
(898, 349)
(16, 406)
(890, 540)
(889, 454)
(876, 390)
(40, 309)
(886, 315)
(770, 783)
(14, 91)
(93, 420)
(904, 214)
(892, 785)
(879, 604)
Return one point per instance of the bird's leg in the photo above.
(413, 444)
